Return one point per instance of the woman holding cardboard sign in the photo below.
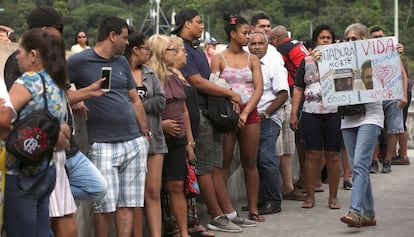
(319, 124)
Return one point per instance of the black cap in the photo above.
(46, 16)
(181, 17)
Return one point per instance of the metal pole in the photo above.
(396, 18)
(157, 20)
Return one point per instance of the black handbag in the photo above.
(221, 114)
(33, 138)
(351, 110)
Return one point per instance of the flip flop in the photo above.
(256, 217)
(334, 204)
(308, 204)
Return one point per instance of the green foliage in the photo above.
(300, 16)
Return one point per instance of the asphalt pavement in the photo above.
(394, 206)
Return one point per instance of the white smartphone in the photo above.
(107, 74)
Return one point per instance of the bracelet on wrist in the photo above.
(191, 143)
(147, 134)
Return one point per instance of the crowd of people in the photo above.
(153, 121)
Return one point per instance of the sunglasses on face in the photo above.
(81, 36)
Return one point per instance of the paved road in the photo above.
(394, 205)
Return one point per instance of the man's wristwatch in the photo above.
(266, 115)
(147, 134)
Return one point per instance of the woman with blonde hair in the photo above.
(179, 139)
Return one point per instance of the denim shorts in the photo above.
(393, 117)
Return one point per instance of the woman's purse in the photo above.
(220, 109)
(191, 186)
(33, 138)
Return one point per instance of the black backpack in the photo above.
(33, 138)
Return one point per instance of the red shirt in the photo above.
(293, 53)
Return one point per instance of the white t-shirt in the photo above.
(374, 114)
(5, 95)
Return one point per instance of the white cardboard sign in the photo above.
(360, 71)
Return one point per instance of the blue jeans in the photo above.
(268, 163)
(360, 144)
(86, 181)
(24, 213)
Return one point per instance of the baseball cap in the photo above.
(46, 16)
(181, 17)
(211, 40)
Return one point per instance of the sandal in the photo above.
(334, 204)
(353, 219)
(200, 231)
(256, 217)
(308, 203)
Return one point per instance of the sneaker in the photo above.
(368, 220)
(347, 185)
(374, 167)
(243, 222)
(295, 195)
(222, 223)
(352, 219)
(386, 167)
(398, 160)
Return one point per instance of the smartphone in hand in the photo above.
(107, 74)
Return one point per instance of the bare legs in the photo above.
(64, 226)
(178, 205)
(124, 219)
(248, 138)
(403, 143)
(333, 165)
(152, 198)
(312, 164)
(286, 173)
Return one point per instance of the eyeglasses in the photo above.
(175, 50)
(144, 47)
(351, 38)
(81, 36)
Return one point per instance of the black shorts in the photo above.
(321, 131)
(175, 167)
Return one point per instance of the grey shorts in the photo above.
(209, 147)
